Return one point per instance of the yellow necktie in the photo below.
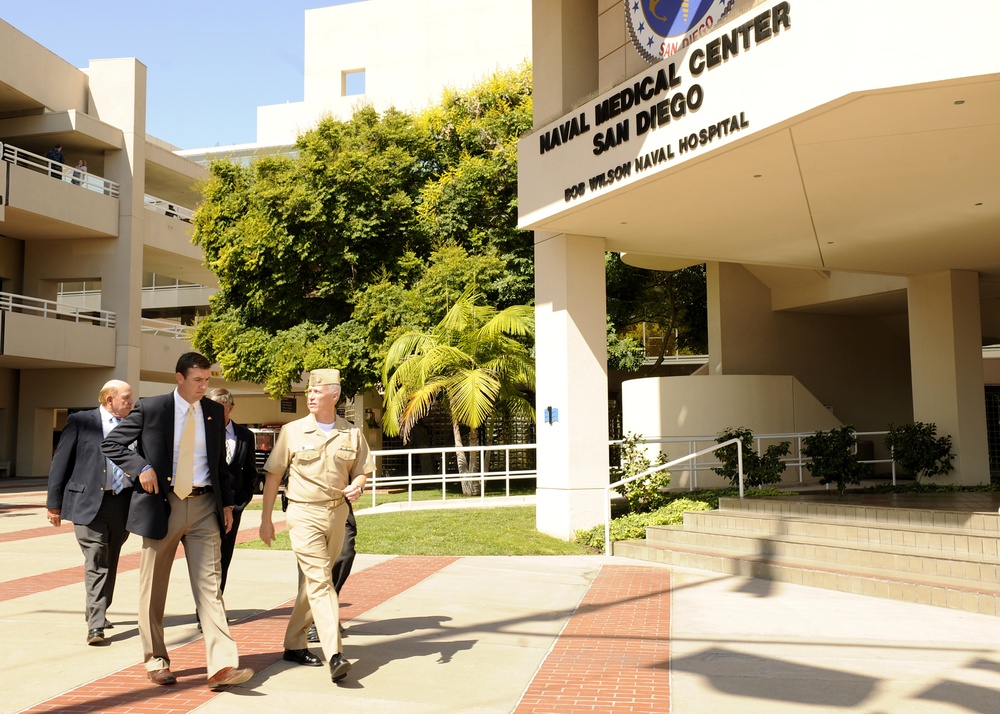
(185, 458)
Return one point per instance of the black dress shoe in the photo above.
(108, 625)
(339, 667)
(304, 657)
(95, 636)
(312, 636)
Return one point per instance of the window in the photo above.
(352, 82)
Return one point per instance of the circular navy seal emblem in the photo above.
(659, 28)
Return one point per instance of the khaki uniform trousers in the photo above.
(194, 523)
(316, 532)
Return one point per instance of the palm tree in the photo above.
(475, 362)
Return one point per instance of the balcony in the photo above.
(47, 200)
(43, 334)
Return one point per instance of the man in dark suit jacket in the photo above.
(182, 495)
(242, 472)
(83, 490)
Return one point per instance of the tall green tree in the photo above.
(672, 304)
(476, 362)
(298, 242)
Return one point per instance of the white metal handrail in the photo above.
(84, 179)
(444, 478)
(663, 467)
(170, 210)
(174, 330)
(795, 459)
(9, 302)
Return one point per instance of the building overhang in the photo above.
(805, 150)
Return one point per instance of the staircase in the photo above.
(941, 557)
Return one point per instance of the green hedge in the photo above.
(633, 525)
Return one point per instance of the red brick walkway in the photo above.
(614, 653)
(259, 639)
(612, 656)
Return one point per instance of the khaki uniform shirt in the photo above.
(320, 465)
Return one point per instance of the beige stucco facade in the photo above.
(406, 52)
(839, 184)
(109, 230)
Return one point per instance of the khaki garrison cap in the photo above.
(319, 377)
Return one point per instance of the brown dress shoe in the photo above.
(228, 676)
(162, 676)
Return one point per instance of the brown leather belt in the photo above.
(200, 490)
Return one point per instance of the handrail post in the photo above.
(739, 465)
(444, 474)
(607, 520)
(482, 474)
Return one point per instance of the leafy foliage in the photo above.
(311, 250)
(833, 458)
(643, 494)
(624, 351)
(672, 304)
(758, 469)
(476, 361)
(633, 526)
(918, 451)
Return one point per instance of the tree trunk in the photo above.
(467, 463)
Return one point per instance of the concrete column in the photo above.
(947, 364)
(118, 97)
(564, 48)
(572, 379)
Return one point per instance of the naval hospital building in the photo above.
(834, 166)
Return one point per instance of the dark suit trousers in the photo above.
(342, 566)
(229, 544)
(101, 542)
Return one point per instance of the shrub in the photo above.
(918, 451)
(832, 457)
(633, 526)
(644, 494)
(757, 469)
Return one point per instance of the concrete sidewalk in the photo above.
(492, 634)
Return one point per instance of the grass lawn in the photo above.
(508, 530)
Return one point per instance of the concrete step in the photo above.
(986, 521)
(949, 558)
(822, 552)
(950, 542)
(954, 593)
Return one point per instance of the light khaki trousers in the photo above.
(317, 536)
(194, 523)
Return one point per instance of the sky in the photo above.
(209, 64)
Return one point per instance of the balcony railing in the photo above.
(83, 179)
(170, 210)
(10, 302)
(166, 328)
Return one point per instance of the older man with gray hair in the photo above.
(328, 461)
(88, 490)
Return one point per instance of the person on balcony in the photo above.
(56, 154)
(79, 172)
(93, 494)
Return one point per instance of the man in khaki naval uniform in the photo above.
(328, 462)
